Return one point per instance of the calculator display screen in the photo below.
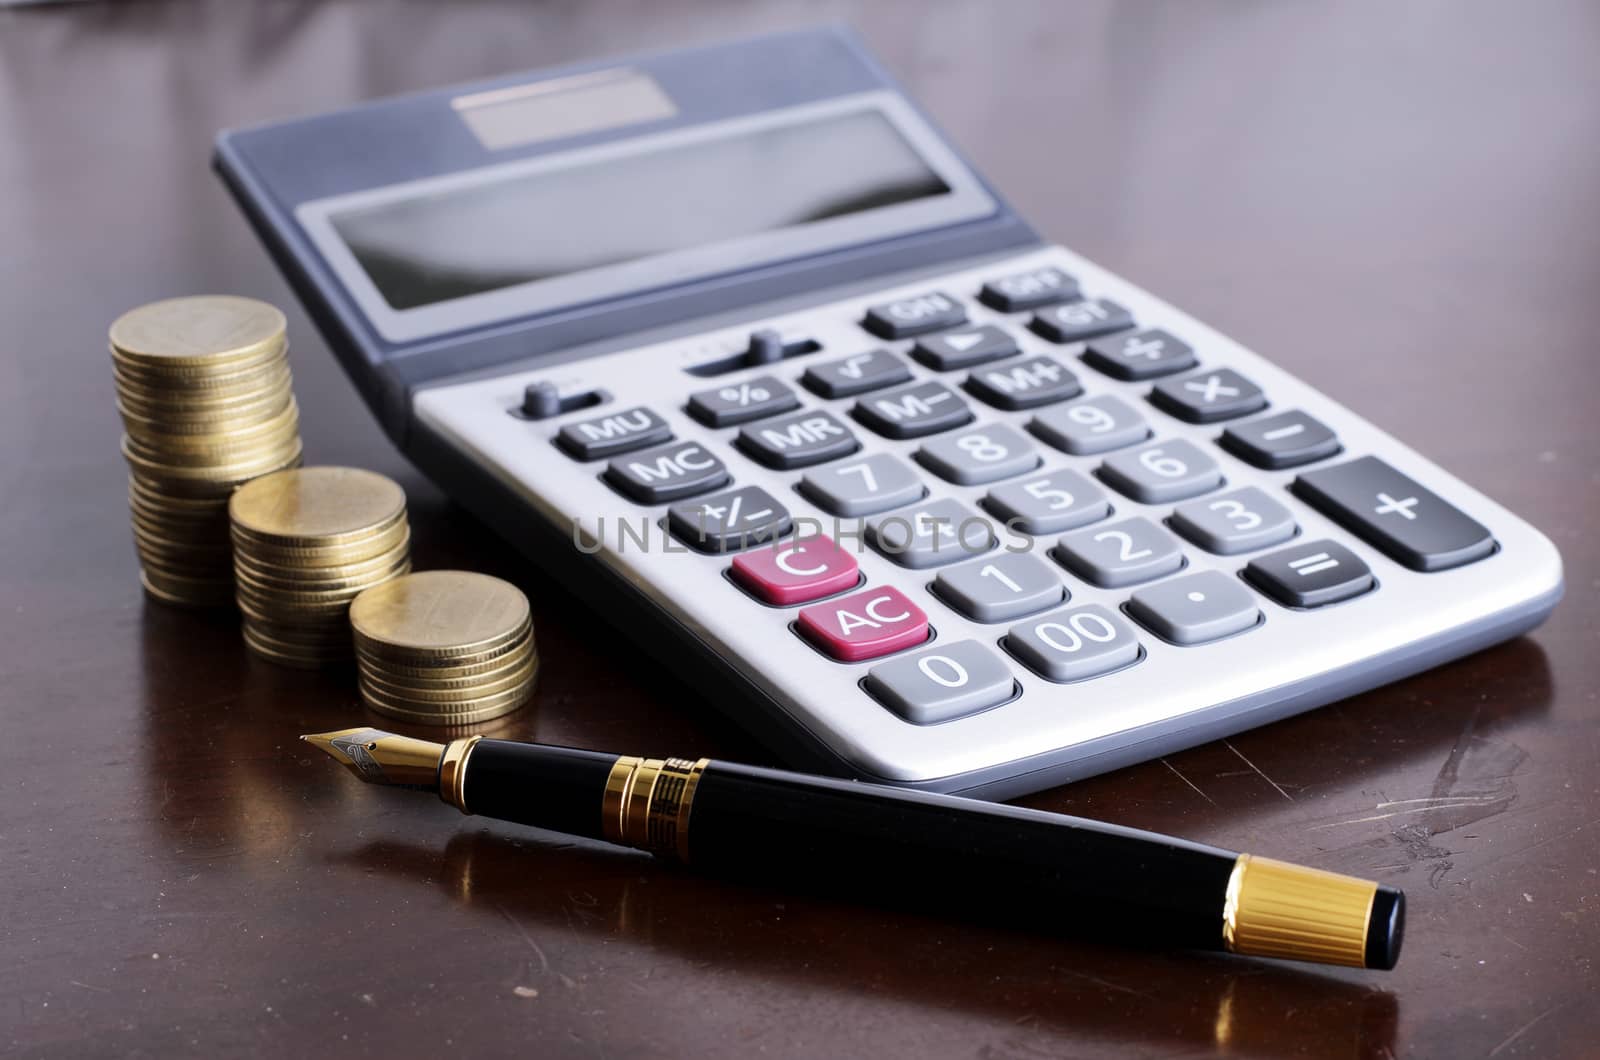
(444, 244)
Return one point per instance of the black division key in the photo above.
(1411, 525)
(964, 347)
(1288, 439)
(1028, 290)
(800, 439)
(1209, 396)
(913, 411)
(666, 473)
(614, 433)
(914, 316)
(1024, 384)
(1140, 355)
(1310, 574)
(856, 374)
(1081, 320)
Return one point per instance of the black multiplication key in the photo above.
(1209, 396)
(1310, 574)
(613, 434)
(1024, 384)
(913, 411)
(964, 347)
(1140, 355)
(1287, 439)
(1411, 525)
(666, 473)
(1081, 320)
(914, 316)
(1028, 290)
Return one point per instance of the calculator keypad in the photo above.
(613, 433)
(1204, 606)
(1075, 644)
(856, 374)
(1240, 520)
(799, 439)
(1093, 425)
(943, 683)
(1140, 355)
(729, 521)
(1310, 574)
(1167, 471)
(1024, 384)
(931, 534)
(1001, 588)
(1049, 503)
(876, 621)
(1077, 321)
(1207, 397)
(866, 486)
(919, 315)
(796, 571)
(1411, 525)
(984, 453)
(1028, 290)
(964, 348)
(667, 473)
(913, 411)
(753, 399)
(1287, 439)
(1123, 553)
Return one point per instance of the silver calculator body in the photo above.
(911, 494)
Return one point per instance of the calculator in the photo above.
(738, 347)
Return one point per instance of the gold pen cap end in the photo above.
(1276, 909)
(379, 757)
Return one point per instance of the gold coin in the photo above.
(296, 656)
(198, 491)
(350, 560)
(167, 591)
(166, 473)
(201, 391)
(440, 614)
(329, 622)
(223, 454)
(461, 712)
(198, 330)
(176, 431)
(316, 506)
(295, 634)
(452, 689)
(310, 595)
(353, 586)
(156, 500)
(423, 668)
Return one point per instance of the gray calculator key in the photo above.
(856, 374)
(1208, 396)
(932, 534)
(1001, 588)
(731, 403)
(1411, 525)
(1121, 553)
(1074, 644)
(985, 453)
(863, 487)
(729, 521)
(1196, 608)
(964, 347)
(800, 439)
(1240, 520)
(1049, 503)
(919, 315)
(1024, 384)
(946, 682)
(1287, 439)
(1310, 574)
(1028, 290)
(666, 473)
(1093, 425)
(913, 411)
(1076, 321)
(1172, 470)
(1140, 355)
(613, 433)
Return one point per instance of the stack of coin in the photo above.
(305, 543)
(444, 647)
(203, 389)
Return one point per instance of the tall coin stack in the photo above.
(306, 542)
(444, 647)
(203, 388)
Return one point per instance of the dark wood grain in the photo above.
(1400, 203)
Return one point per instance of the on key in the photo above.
(864, 625)
(933, 311)
(1411, 525)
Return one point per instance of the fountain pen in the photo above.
(940, 853)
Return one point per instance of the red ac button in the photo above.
(864, 625)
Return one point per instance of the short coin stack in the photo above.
(444, 647)
(203, 388)
(306, 542)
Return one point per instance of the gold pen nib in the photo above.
(379, 757)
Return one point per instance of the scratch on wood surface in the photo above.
(1187, 781)
(1525, 1028)
(544, 962)
(1257, 771)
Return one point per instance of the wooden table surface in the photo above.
(1399, 203)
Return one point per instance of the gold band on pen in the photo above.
(453, 772)
(1275, 909)
(647, 803)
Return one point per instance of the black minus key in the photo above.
(1411, 525)
(1287, 439)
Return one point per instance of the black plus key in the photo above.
(913, 411)
(1310, 574)
(964, 348)
(856, 374)
(731, 403)
(1206, 397)
(1024, 384)
(614, 433)
(1411, 525)
(666, 473)
(729, 521)
(1081, 320)
(797, 440)
(1028, 290)
(914, 316)
(1288, 439)
(1140, 355)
